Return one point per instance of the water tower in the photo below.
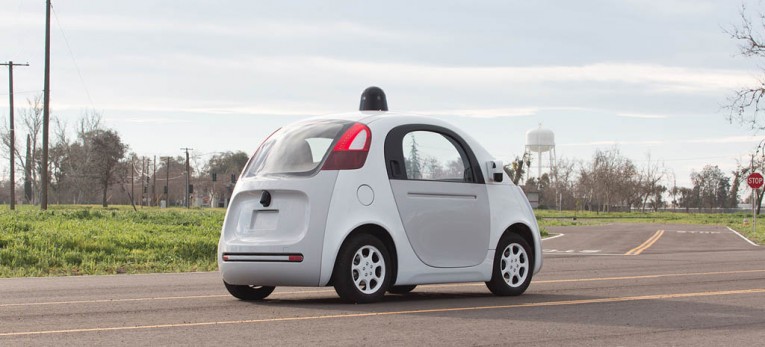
(541, 141)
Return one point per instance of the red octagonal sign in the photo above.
(754, 180)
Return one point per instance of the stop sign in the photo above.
(754, 180)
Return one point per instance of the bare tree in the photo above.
(31, 125)
(609, 180)
(561, 190)
(651, 174)
(673, 190)
(744, 106)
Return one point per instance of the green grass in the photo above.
(740, 222)
(93, 240)
(88, 240)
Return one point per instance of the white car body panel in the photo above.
(436, 225)
(336, 203)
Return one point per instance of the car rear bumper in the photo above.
(269, 269)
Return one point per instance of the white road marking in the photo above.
(686, 295)
(448, 285)
(569, 251)
(552, 237)
(696, 232)
(742, 236)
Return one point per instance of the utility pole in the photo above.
(28, 195)
(154, 183)
(10, 65)
(188, 178)
(132, 181)
(167, 182)
(46, 111)
(143, 173)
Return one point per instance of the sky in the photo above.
(650, 78)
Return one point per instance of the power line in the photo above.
(21, 92)
(74, 61)
(17, 48)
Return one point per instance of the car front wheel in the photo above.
(249, 293)
(362, 270)
(512, 266)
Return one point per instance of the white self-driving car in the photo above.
(372, 202)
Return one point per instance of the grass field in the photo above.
(88, 240)
(82, 240)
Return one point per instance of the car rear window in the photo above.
(297, 149)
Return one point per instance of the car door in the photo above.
(440, 195)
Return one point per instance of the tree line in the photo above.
(609, 181)
(89, 164)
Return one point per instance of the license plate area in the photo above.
(264, 220)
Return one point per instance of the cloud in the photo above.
(484, 113)
(614, 143)
(641, 115)
(147, 120)
(717, 140)
(728, 139)
(672, 7)
(262, 28)
(275, 110)
(654, 78)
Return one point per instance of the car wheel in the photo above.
(512, 266)
(401, 289)
(248, 293)
(362, 270)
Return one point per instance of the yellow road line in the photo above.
(648, 243)
(152, 298)
(391, 313)
(323, 291)
(621, 278)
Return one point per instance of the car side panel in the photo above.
(509, 204)
(509, 207)
(346, 213)
(447, 223)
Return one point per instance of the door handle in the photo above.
(395, 169)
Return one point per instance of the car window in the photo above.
(298, 149)
(432, 156)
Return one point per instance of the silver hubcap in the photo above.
(514, 265)
(368, 269)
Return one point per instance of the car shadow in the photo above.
(559, 308)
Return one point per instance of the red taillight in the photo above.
(296, 258)
(351, 150)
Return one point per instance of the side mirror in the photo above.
(496, 171)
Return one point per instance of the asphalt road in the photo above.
(679, 285)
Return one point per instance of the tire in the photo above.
(362, 270)
(513, 266)
(249, 293)
(401, 289)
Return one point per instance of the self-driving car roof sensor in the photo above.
(375, 202)
(373, 99)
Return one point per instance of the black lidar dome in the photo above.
(373, 99)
